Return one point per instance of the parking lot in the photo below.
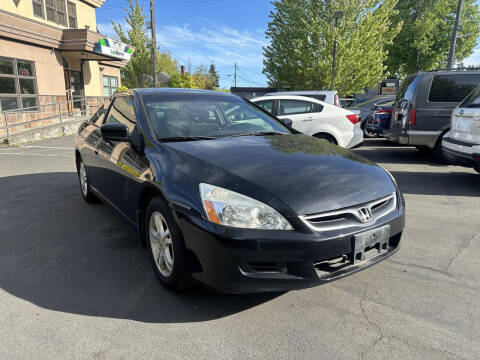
(74, 283)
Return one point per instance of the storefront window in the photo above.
(110, 85)
(18, 85)
(72, 15)
(38, 8)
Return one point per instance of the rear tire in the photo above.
(327, 137)
(423, 149)
(438, 152)
(87, 193)
(166, 246)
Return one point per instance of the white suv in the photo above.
(316, 118)
(461, 145)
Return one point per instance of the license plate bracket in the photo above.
(370, 243)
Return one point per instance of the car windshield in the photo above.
(201, 116)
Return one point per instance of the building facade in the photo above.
(51, 53)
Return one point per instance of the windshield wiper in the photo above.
(186, 138)
(258, 133)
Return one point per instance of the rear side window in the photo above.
(452, 88)
(408, 88)
(292, 107)
(318, 97)
(473, 99)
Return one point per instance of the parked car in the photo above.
(238, 202)
(461, 145)
(424, 105)
(328, 96)
(350, 104)
(380, 119)
(316, 118)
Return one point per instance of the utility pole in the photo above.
(337, 15)
(154, 40)
(235, 76)
(451, 54)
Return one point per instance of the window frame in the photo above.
(42, 8)
(58, 12)
(69, 15)
(109, 86)
(18, 95)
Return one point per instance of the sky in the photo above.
(198, 32)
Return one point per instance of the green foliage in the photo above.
(423, 43)
(182, 81)
(141, 62)
(122, 88)
(214, 75)
(302, 34)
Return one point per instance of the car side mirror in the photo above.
(287, 122)
(114, 132)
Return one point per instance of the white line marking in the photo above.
(28, 154)
(47, 147)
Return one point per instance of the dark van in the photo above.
(424, 105)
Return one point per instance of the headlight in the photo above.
(229, 208)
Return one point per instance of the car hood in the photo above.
(307, 174)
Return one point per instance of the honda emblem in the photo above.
(365, 214)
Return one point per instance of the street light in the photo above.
(337, 15)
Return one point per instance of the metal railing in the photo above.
(63, 111)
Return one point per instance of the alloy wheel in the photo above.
(161, 244)
(83, 179)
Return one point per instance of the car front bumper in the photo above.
(246, 261)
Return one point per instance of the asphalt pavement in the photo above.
(74, 283)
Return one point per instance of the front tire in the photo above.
(370, 134)
(165, 244)
(87, 193)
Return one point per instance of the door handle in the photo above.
(96, 152)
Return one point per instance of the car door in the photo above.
(121, 162)
(305, 115)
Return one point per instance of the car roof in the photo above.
(176, 91)
(304, 92)
(291, 97)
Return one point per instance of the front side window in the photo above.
(408, 88)
(38, 8)
(266, 105)
(192, 115)
(122, 112)
(110, 85)
(292, 107)
(452, 88)
(18, 85)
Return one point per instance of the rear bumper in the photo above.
(413, 137)
(242, 261)
(357, 139)
(461, 153)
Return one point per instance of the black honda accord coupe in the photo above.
(226, 195)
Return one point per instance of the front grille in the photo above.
(356, 216)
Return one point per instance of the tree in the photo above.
(302, 34)
(138, 71)
(203, 79)
(424, 41)
(214, 75)
(182, 81)
(136, 35)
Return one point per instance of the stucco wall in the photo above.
(85, 13)
(48, 65)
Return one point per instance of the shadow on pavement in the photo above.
(391, 153)
(59, 253)
(432, 183)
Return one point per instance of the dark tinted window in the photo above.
(318, 97)
(473, 99)
(408, 88)
(122, 112)
(452, 88)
